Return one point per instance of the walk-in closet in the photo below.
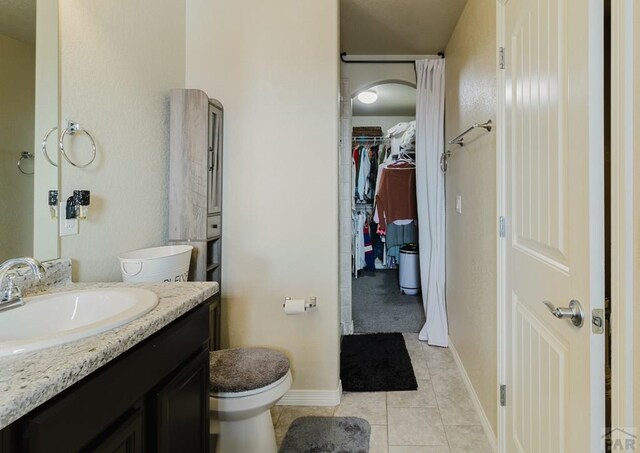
(385, 261)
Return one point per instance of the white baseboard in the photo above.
(474, 397)
(312, 397)
(347, 328)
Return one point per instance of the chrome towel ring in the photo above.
(444, 160)
(24, 155)
(71, 129)
(44, 145)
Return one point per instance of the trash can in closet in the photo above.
(409, 270)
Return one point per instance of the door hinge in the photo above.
(597, 320)
(503, 395)
(501, 57)
(503, 227)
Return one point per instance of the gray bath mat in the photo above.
(327, 435)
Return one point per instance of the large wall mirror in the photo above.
(28, 110)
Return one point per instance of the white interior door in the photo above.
(554, 249)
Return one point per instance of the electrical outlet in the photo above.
(68, 227)
(459, 204)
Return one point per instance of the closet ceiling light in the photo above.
(368, 97)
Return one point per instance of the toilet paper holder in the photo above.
(311, 303)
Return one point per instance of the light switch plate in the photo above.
(459, 204)
(68, 227)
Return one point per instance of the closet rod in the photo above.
(343, 55)
(368, 137)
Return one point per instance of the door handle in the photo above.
(574, 312)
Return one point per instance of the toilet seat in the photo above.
(239, 370)
(251, 392)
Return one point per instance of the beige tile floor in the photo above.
(437, 418)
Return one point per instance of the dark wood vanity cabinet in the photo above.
(153, 398)
(215, 321)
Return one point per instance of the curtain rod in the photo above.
(343, 55)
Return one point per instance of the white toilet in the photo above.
(245, 384)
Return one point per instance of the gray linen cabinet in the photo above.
(195, 187)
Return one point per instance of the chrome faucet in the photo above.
(10, 294)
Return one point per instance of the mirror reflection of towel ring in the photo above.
(71, 129)
(25, 155)
(44, 145)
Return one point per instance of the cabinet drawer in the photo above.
(213, 226)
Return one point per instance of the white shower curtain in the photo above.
(430, 196)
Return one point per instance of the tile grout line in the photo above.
(278, 418)
(437, 401)
(386, 404)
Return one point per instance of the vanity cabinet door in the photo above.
(8, 440)
(182, 412)
(125, 437)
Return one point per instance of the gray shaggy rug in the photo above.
(327, 435)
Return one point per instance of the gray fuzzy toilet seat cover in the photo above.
(243, 369)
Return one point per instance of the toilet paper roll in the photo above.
(295, 307)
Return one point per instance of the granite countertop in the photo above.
(30, 379)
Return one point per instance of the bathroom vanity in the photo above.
(142, 387)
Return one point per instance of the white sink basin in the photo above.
(53, 319)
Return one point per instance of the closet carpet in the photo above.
(378, 305)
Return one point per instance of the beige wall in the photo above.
(471, 236)
(17, 102)
(274, 66)
(118, 61)
(385, 122)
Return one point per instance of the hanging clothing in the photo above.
(388, 160)
(373, 173)
(396, 197)
(369, 257)
(360, 178)
(401, 234)
(358, 221)
(370, 161)
(365, 165)
(376, 241)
